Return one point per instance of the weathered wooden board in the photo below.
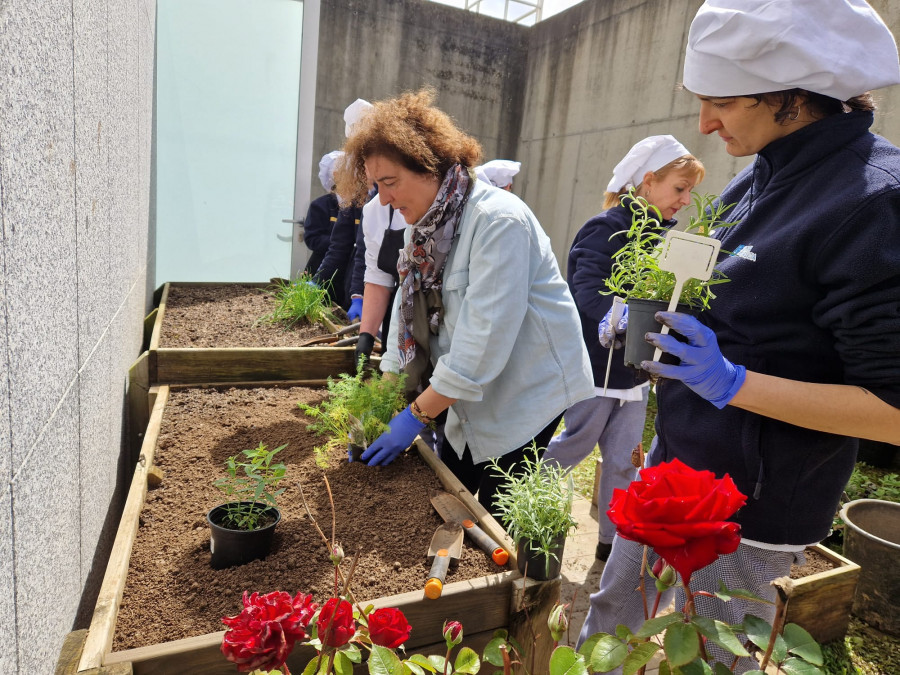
(483, 604)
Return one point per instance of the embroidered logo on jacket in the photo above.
(745, 252)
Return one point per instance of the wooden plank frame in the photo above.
(225, 365)
(485, 604)
(820, 602)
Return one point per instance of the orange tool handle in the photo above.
(498, 554)
(439, 567)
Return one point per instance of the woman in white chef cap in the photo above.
(322, 213)
(799, 354)
(498, 172)
(663, 172)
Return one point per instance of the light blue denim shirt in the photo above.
(510, 347)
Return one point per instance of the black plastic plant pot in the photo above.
(229, 547)
(535, 565)
(642, 320)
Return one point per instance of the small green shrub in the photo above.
(298, 300)
(371, 398)
(253, 492)
(536, 503)
(636, 272)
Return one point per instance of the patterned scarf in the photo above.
(421, 268)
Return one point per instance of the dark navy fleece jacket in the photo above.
(814, 296)
(589, 265)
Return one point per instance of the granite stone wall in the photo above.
(76, 85)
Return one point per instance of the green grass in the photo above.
(298, 300)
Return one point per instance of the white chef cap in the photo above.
(354, 113)
(498, 172)
(326, 168)
(839, 48)
(650, 154)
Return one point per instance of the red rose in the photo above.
(680, 513)
(388, 627)
(263, 634)
(335, 623)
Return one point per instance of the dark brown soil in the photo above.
(229, 315)
(172, 592)
(815, 563)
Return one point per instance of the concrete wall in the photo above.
(76, 83)
(601, 76)
(375, 49)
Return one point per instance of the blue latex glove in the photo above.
(403, 430)
(702, 367)
(355, 311)
(608, 332)
(310, 282)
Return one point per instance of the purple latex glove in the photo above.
(355, 311)
(702, 367)
(607, 332)
(403, 430)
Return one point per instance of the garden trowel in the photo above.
(444, 551)
(687, 256)
(454, 511)
(357, 438)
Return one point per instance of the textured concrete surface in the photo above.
(375, 49)
(75, 97)
(46, 532)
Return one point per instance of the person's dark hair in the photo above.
(818, 105)
(407, 130)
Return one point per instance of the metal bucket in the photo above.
(872, 541)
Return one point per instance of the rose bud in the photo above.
(558, 622)
(453, 633)
(337, 554)
(665, 575)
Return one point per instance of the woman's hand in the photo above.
(610, 327)
(403, 431)
(702, 367)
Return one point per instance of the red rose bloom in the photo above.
(388, 627)
(680, 513)
(335, 623)
(263, 634)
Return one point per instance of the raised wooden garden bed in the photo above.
(483, 603)
(236, 363)
(821, 602)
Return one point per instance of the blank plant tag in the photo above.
(687, 256)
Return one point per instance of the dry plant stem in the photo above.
(777, 625)
(327, 544)
(507, 664)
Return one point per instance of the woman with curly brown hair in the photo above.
(484, 325)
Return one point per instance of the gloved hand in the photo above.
(312, 282)
(364, 346)
(702, 367)
(355, 311)
(607, 332)
(403, 430)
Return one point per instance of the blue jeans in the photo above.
(617, 428)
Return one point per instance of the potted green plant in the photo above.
(535, 506)
(647, 288)
(356, 411)
(242, 528)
